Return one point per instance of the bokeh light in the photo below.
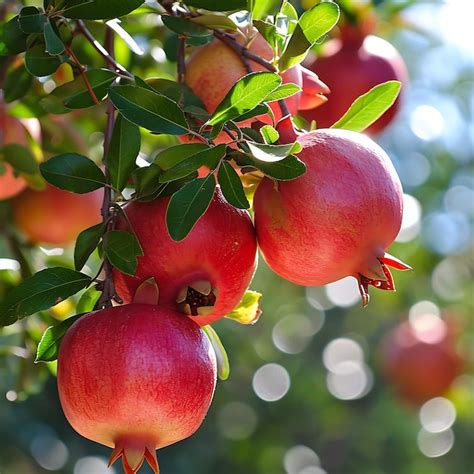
(271, 382)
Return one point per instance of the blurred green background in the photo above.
(306, 393)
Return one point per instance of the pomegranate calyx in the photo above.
(197, 299)
(394, 262)
(380, 284)
(147, 293)
(133, 458)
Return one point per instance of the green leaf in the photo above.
(32, 20)
(261, 8)
(122, 249)
(272, 153)
(13, 40)
(175, 92)
(223, 366)
(17, 83)
(74, 94)
(149, 110)
(48, 348)
(147, 184)
(187, 205)
(124, 149)
(73, 172)
(173, 155)
(40, 292)
(99, 9)
(284, 170)
(284, 91)
(54, 45)
(209, 157)
(231, 186)
(217, 5)
(87, 241)
(215, 22)
(88, 300)
(269, 134)
(369, 107)
(246, 93)
(248, 310)
(267, 30)
(40, 63)
(260, 109)
(183, 26)
(20, 158)
(312, 25)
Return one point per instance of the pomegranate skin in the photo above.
(335, 220)
(352, 68)
(11, 131)
(54, 216)
(136, 377)
(420, 364)
(220, 249)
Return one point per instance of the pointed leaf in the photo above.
(54, 45)
(187, 205)
(41, 291)
(99, 9)
(48, 348)
(231, 186)
(73, 172)
(123, 152)
(369, 107)
(173, 155)
(149, 110)
(218, 5)
(246, 93)
(284, 170)
(87, 241)
(272, 153)
(122, 249)
(183, 26)
(269, 134)
(285, 90)
(88, 300)
(209, 157)
(312, 25)
(222, 359)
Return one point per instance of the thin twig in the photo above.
(82, 72)
(108, 290)
(112, 63)
(180, 59)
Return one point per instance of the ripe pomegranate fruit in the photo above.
(351, 66)
(420, 360)
(213, 69)
(206, 274)
(54, 216)
(12, 130)
(136, 378)
(335, 220)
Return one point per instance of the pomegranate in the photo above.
(12, 130)
(54, 216)
(206, 274)
(213, 69)
(335, 220)
(136, 378)
(420, 360)
(351, 66)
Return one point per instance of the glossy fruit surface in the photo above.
(54, 216)
(206, 274)
(337, 219)
(420, 360)
(136, 378)
(351, 68)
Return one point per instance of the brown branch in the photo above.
(108, 287)
(82, 72)
(110, 60)
(180, 59)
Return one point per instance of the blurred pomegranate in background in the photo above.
(352, 65)
(419, 358)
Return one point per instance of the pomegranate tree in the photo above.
(136, 378)
(336, 220)
(206, 274)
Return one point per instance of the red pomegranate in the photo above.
(136, 378)
(335, 220)
(420, 359)
(206, 274)
(351, 66)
